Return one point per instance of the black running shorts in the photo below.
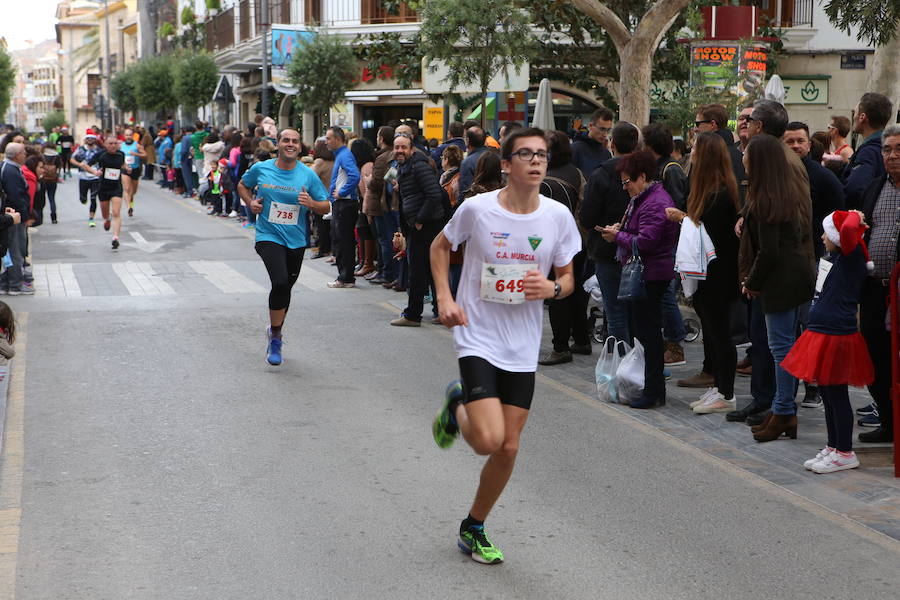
(481, 380)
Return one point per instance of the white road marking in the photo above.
(55, 279)
(144, 245)
(140, 280)
(226, 278)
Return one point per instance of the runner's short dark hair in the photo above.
(795, 125)
(456, 129)
(510, 142)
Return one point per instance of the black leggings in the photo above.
(92, 186)
(283, 265)
(713, 311)
(838, 416)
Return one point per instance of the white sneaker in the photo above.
(715, 404)
(233, 214)
(704, 397)
(836, 461)
(808, 465)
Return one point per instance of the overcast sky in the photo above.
(25, 20)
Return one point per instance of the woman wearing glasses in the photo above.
(645, 223)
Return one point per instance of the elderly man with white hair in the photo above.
(16, 191)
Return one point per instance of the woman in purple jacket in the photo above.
(645, 221)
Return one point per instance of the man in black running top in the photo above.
(111, 164)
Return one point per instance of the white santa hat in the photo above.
(846, 230)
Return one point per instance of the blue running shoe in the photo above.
(870, 420)
(866, 410)
(273, 353)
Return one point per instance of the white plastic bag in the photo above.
(630, 375)
(605, 372)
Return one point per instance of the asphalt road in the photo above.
(164, 459)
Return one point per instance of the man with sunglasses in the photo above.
(590, 150)
(513, 237)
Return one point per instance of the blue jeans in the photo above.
(762, 379)
(673, 324)
(386, 225)
(617, 313)
(782, 331)
(188, 175)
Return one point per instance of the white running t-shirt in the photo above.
(504, 329)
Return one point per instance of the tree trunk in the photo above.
(483, 109)
(635, 67)
(884, 77)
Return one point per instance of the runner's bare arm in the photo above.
(247, 198)
(452, 314)
(322, 207)
(538, 287)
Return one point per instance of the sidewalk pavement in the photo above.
(869, 494)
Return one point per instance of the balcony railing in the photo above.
(244, 19)
(220, 30)
(783, 13)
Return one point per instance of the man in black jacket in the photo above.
(881, 204)
(604, 204)
(422, 210)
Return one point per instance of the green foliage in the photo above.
(54, 118)
(153, 83)
(187, 16)
(166, 30)
(194, 79)
(323, 69)
(476, 39)
(122, 89)
(875, 21)
(387, 54)
(213, 4)
(7, 80)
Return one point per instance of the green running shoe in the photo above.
(475, 543)
(443, 429)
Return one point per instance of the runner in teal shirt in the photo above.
(280, 192)
(278, 189)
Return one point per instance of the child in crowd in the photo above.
(831, 353)
(7, 333)
(219, 187)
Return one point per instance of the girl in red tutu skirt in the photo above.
(831, 353)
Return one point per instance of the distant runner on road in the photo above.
(111, 167)
(285, 190)
(134, 154)
(513, 237)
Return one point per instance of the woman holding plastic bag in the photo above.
(713, 202)
(646, 229)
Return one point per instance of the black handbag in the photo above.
(631, 286)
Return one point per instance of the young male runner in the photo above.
(111, 163)
(88, 183)
(285, 190)
(513, 236)
(134, 154)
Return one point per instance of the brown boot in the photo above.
(762, 425)
(368, 258)
(778, 425)
(700, 380)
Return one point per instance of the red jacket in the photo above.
(31, 180)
